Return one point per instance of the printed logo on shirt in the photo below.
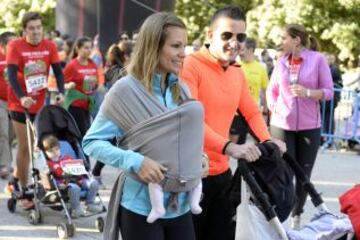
(89, 84)
(35, 76)
(294, 73)
(36, 54)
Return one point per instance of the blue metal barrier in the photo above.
(340, 118)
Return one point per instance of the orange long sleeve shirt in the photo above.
(222, 92)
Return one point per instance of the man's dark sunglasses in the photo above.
(240, 37)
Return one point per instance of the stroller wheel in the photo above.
(34, 217)
(99, 224)
(65, 230)
(11, 204)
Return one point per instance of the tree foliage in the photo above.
(12, 12)
(335, 23)
(197, 13)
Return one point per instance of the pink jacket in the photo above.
(297, 113)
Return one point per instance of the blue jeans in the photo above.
(91, 187)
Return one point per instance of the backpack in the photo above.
(275, 178)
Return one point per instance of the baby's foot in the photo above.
(155, 214)
(196, 209)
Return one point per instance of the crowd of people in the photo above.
(225, 96)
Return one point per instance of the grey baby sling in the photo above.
(173, 138)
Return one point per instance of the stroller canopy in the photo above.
(56, 120)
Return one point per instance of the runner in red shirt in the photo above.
(5, 153)
(81, 78)
(28, 62)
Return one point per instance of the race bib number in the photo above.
(73, 167)
(36, 83)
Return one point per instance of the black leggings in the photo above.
(303, 147)
(134, 227)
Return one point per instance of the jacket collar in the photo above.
(171, 79)
(303, 55)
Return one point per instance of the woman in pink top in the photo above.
(300, 79)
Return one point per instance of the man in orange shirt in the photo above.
(222, 88)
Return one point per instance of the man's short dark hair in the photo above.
(5, 37)
(30, 16)
(250, 43)
(232, 12)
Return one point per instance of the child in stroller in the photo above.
(59, 156)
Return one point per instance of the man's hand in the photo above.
(27, 102)
(247, 151)
(151, 171)
(280, 144)
(205, 165)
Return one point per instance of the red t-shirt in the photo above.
(85, 78)
(295, 64)
(3, 84)
(33, 68)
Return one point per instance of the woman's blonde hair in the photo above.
(145, 56)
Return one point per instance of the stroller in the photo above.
(265, 202)
(52, 120)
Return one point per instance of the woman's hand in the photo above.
(297, 90)
(247, 151)
(151, 171)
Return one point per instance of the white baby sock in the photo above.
(194, 199)
(157, 202)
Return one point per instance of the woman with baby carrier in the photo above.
(150, 113)
(300, 79)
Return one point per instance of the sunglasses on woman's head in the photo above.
(240, 37)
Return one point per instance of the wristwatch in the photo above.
(308, 93)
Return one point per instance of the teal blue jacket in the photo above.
(96, 144)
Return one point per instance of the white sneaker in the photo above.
(295, 222)
(94, 208)
(78, 212)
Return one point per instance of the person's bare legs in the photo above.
(22, 156)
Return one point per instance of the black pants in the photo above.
(81, 117)
(134, 227)
(303, 147)
(215, 221)
(98, 168)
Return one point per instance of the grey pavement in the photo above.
(334, 173)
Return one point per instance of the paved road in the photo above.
(334, 173)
